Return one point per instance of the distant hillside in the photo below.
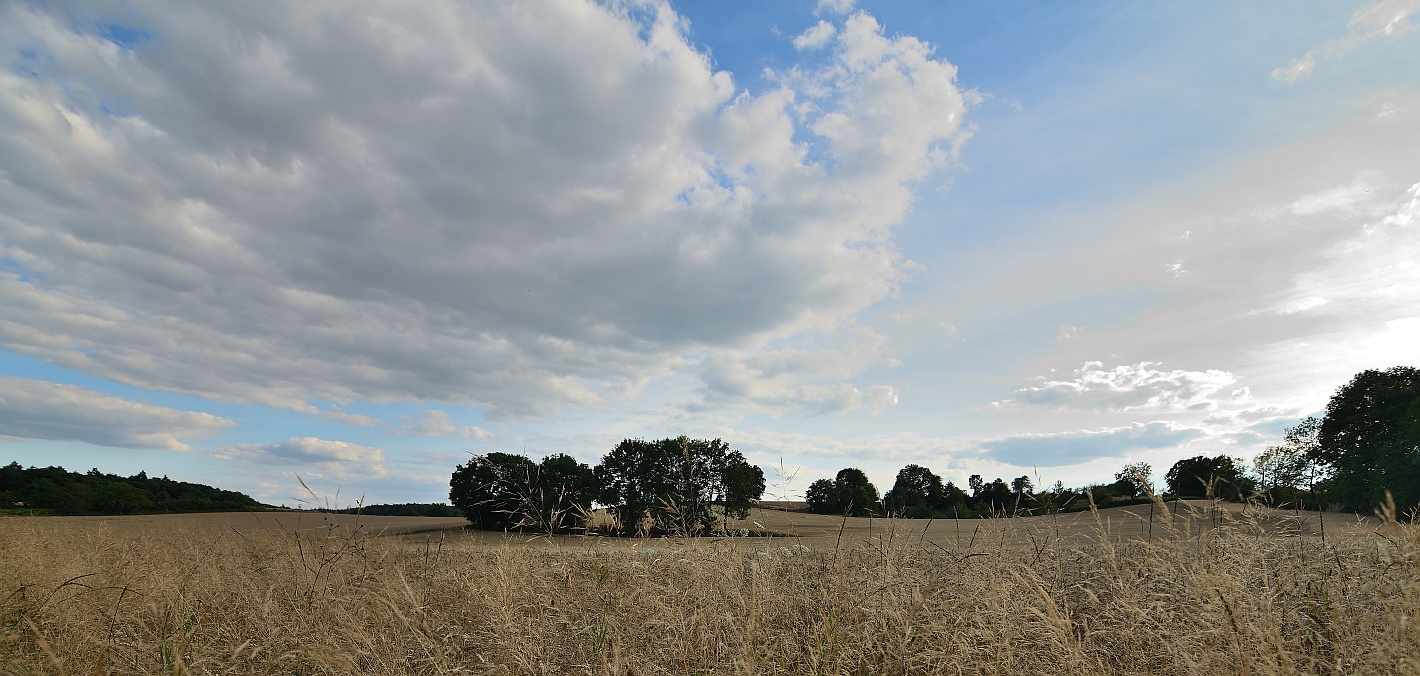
(55, 490)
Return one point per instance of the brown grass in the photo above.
(1218, 593)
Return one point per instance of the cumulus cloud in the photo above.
(1379, 20)
(1128, 388)
(338, 459)
(36, 409)
(816, 36)
(1069, 448)
(436, 423)
(519, 207)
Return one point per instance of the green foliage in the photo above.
(675, 485)
(58, 490)
(1201, 476)
(918, 493)
(1022, 486)
(502, 491)
(1370, 439)
(1133, 479)
(849, 493)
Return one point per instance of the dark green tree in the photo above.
(917, 493)
(743, 486)
(1370, 439)
(1192, 478)
(501, 491)
(994, 497)
(849, 493)
(1022, 487)
(490, 489)
(675, 485)
(1133, 480)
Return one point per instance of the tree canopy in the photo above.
(1202, 476)
(502, 491)
(58, 490)
(849, 493)
(1370, 439)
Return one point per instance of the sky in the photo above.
(356, 243)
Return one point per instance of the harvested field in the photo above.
(1219, 592)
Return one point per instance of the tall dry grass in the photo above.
(1241, 597)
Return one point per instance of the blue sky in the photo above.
(359, 243)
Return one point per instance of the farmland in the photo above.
(1195, 588)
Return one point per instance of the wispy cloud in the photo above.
(1068, 448)
(1380, 20)
(338, 459)
(36, 409)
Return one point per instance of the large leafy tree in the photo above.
(490, 487)
(501, 491)
(1133, 479)
(1193, 477)
(849, 493)
(1290, 471)
(918, 493)
(674, 485)
(994, 497)
(1370, 439)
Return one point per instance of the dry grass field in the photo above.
(1205, 591)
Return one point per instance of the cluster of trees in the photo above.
(918, 493)
(57, 490)
(1365, 447)
(674, 486)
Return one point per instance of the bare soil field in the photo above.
(1212, 589)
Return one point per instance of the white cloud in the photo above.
(517, 207)
(1127, 388)
(816, 36)
(337, 459)
(37, 409)
(436, 423)
(1379, 20)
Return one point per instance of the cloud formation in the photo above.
(1128, 388)
(1068, 448)
(436, 423)
(336, 459)
(1380, 20)
(770, 381)
(37, 409)
(517, 206)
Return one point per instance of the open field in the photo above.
(1220, 592)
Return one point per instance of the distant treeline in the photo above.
(55, 490)
(404, 509)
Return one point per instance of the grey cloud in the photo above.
(338, 459)
(518, 206)
(36, 409)
(1075, 447)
